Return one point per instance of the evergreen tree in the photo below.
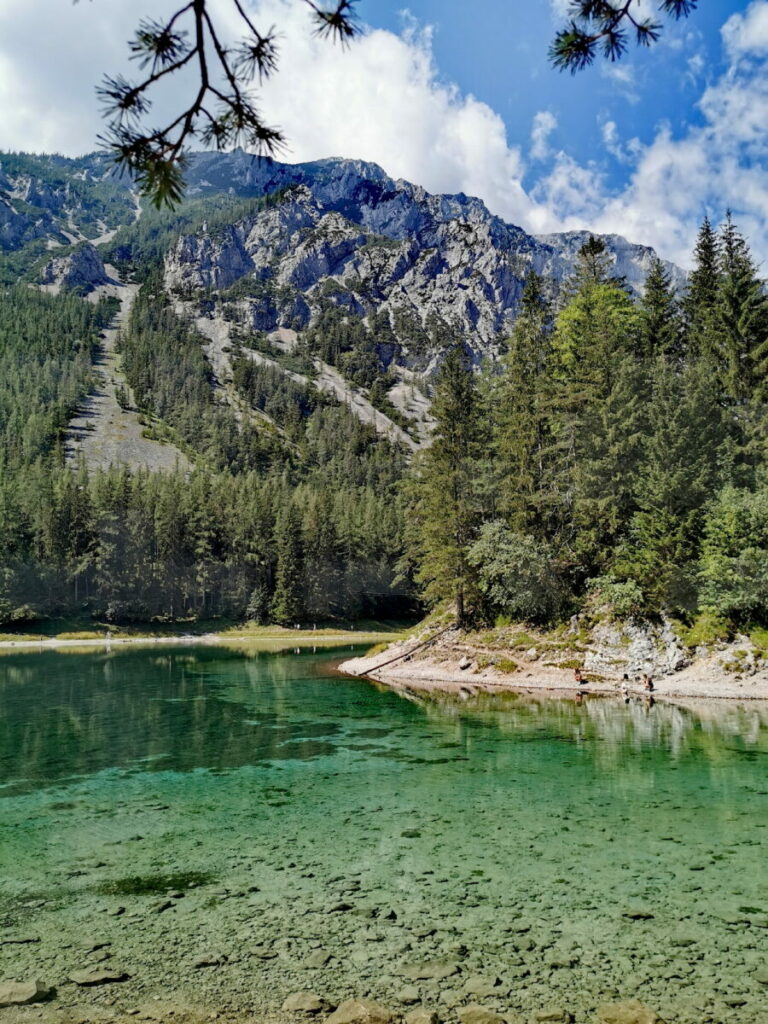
(447, 512)
(701, 301)
(660, 327)
(516, 400)
(743, 317)
(682, 468)
(288, 598)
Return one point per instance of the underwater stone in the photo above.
(475, 1014)
(20, 993)
(95, 977)
(305, 1002)
(630, 1012)
(361, 1011)
(422, 1016)
(435, 970)
(408, 995)
(477, 986)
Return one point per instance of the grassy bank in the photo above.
(55, 632)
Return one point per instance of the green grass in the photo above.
(227, 629)
(707, 628)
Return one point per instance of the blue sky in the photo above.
(459, 96)
(497, 50)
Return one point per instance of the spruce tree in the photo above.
(288, 599)
(446, 509)
(682, 467)
(660, 327)
(743, 316)
(517, 403)
(701, 301)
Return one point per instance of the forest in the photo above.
(295, 524)
(616, 460)
(615, 457)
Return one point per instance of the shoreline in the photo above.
(453, 669)
(290, 638)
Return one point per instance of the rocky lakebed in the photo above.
(198, 835)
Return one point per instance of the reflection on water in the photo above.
(578, 851)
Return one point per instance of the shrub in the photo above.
(708, 628)
(517, 574)
(623, 598)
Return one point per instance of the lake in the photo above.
(230, 827)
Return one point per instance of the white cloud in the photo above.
(384, 100)
(747, 33)
(544, 123)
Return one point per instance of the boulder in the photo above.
(554, 1015)
(361, 1011)
(305, 1002)
(210, 959)
(477, 986)
(630, 1012)
(422, 1016)
(316, 959)
(433, 970)
(19, 993)
(408, 995)
(476, 1014)
(94, 976)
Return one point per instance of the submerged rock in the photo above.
(630, 1012)
(361, 1011)
(475, 1014)
(305, 1002)
(434, 970)
(422, 1016)
(477, 986)
(20, 993)
(408, 995)
(97, 977)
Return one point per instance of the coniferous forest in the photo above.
(615, 454)
(617, 458)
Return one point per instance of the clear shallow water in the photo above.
(568, 854)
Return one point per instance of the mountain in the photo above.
(331, 272)
(343, 231)
(336, 232)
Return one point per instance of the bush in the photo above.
(708, 628)
(623, 598)
(517, 574)
(734, 562)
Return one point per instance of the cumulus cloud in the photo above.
(383, 100)
(747, 33)
(544, 123)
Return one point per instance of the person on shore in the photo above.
(578, 677)
(648, 683)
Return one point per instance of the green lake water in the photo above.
(322, 833)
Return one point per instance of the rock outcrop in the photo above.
(81, 268)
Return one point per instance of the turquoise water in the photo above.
(322, 833)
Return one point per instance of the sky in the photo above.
(460, 97)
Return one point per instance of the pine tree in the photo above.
(447, 511)
(516, 401)
(700, 304)
(743, 316)
(681, 470)
(288, 598)
(660, 327)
